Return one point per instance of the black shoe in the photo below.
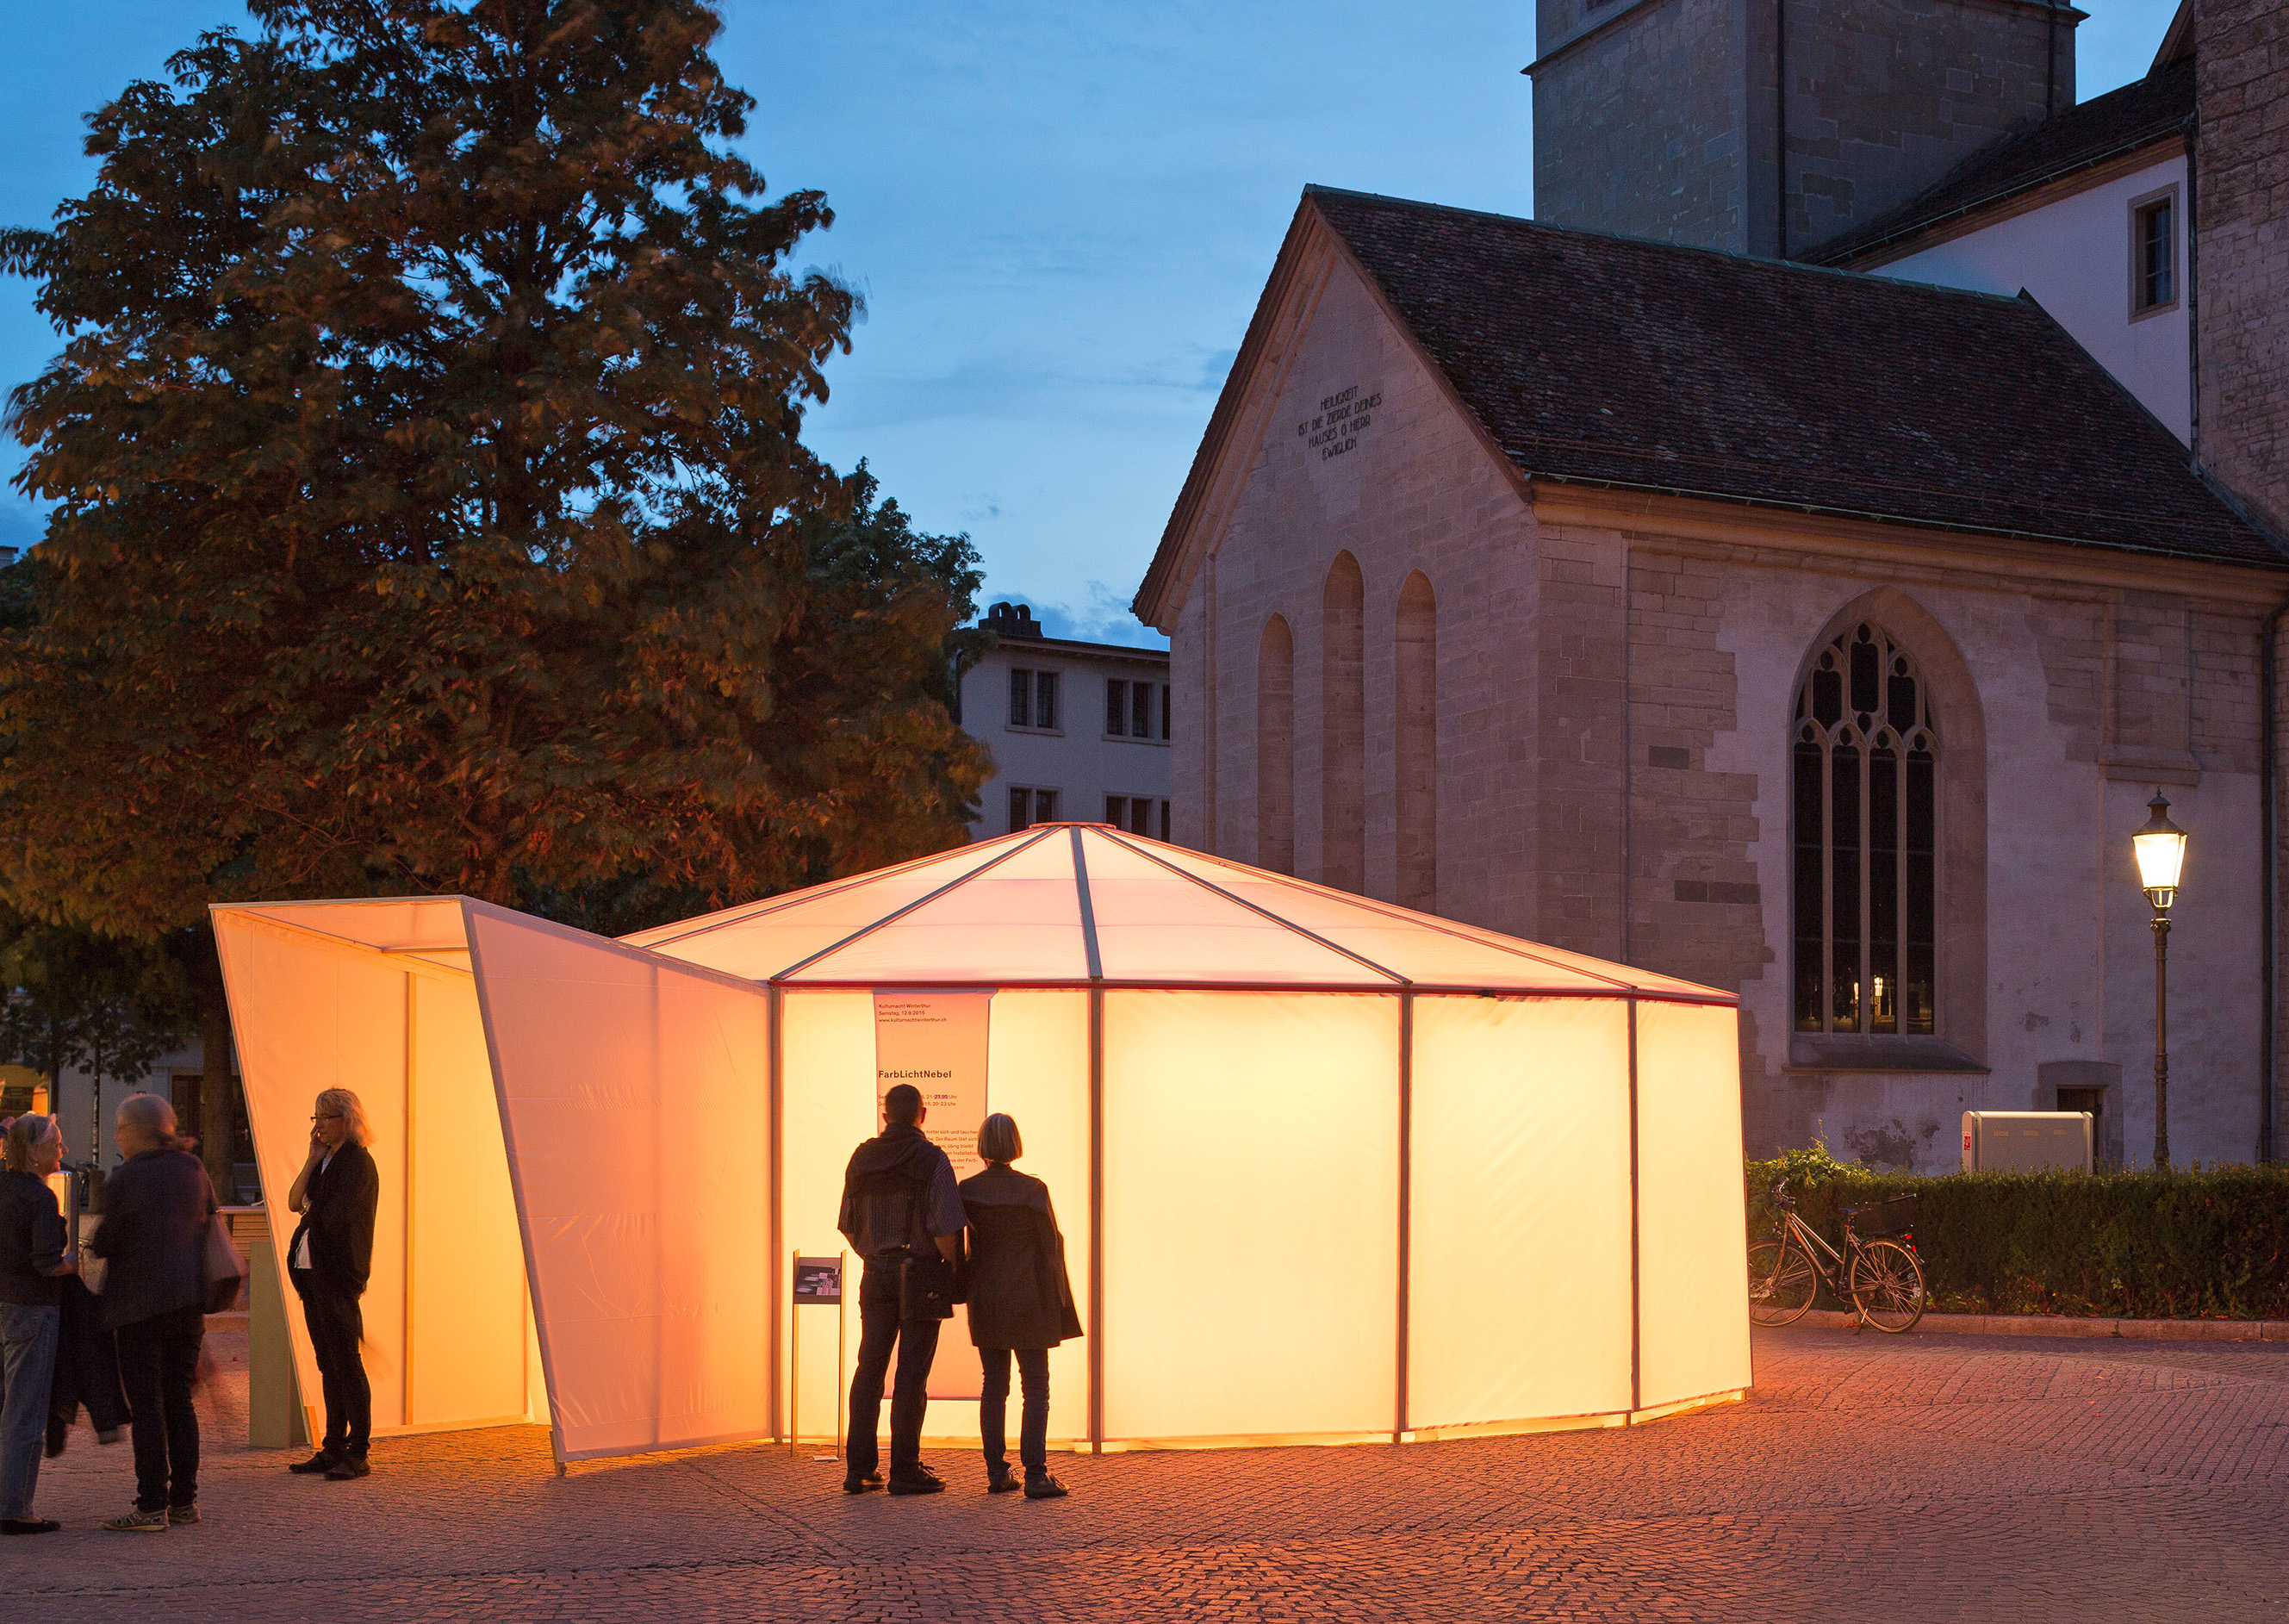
(1040, 1485)
(347, 1468)
(855, 1485)
(1000, 1479)
(917, 1480)
(320, 1462)
(30, 1525)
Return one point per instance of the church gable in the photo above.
(1330, 394)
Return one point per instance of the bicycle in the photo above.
(1883, 1276)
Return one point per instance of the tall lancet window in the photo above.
(1866, 771)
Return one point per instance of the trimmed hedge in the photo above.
(2195, 1245)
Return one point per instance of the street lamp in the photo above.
(2161, 849)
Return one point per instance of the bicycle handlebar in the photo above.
(1780, 1196)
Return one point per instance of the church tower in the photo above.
(1665, 118)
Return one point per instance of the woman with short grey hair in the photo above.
(1021, 1304)
(35, 1252)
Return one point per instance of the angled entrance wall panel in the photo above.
(445, 1307)
(635, 1094)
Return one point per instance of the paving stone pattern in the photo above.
(1924, 1477)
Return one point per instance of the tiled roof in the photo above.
(1618, 361)
(2141, 113)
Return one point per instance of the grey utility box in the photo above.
(2026, 1141)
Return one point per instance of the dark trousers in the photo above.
(1033, 1418)
(158, 1357)
(337, 1327)
(915, 1341)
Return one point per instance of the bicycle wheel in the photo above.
(1781, 1283)
(1888, 1286)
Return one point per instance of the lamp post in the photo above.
(2161, 850)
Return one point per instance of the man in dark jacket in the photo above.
(901, 1207)
(152, 1240)
(337, 1193)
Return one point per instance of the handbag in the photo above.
(927, 1288)
(219, 1267)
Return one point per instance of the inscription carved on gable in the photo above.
(1336, 426)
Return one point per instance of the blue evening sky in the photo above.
(1061, 216)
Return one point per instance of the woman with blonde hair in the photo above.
(34, 1251)
(1021, 1304)
(336, 1192)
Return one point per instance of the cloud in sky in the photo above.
(1062, 217)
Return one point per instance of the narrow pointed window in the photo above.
(1343, 728)
(1865, 758)
(1276, 748)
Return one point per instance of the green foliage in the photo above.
(429, 508)
(2185, 1245)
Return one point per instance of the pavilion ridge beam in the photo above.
(707, 924)
(1242, 902)
(1408, 916)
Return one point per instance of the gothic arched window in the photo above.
(1865, 765)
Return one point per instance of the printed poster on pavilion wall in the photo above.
(936, 1039)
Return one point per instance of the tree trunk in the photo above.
(217, 1092)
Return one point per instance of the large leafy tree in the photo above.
(429, 509)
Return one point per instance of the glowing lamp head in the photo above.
(2161, 848)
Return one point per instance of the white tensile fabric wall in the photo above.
(1369, 1175)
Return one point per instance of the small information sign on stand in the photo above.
(818, 1284)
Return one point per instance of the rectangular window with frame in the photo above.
(1164, 712)
(1116, 707)
(1021, 698)
(1136, 814)
(1028, 807)
(1045, 699)
(2153, 253)
(1140, 716)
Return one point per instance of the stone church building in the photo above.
(1795, 559)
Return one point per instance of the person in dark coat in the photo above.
(156, 1205)
(35, 1252)
(901, 1212)
(336, 1192)
(1021, 1304)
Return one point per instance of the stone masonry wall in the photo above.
(1639, 130)
(1887, 96)
(2241, 74)
(1695, 891)
(1413, 489)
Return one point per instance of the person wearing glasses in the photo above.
(336, 1192)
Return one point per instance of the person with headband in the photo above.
(1021, 1304)
(35, 1252)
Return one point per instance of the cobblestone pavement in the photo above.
(1869, 1478)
